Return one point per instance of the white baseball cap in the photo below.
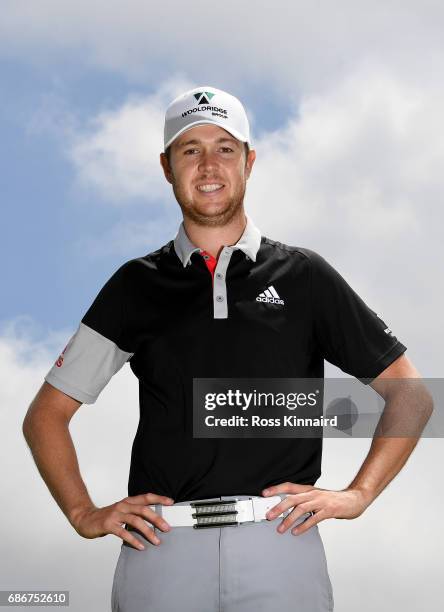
(206, 104)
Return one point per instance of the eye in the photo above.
(223, 148)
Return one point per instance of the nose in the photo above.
(207, 161)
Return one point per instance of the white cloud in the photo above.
(360, 150)
(371, 140)
(117, 153)
(294, 44)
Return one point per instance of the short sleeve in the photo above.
(350, 334)
(98, 348)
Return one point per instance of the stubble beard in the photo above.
(231, 207)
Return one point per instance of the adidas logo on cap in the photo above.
(270, 296)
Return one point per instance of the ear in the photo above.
(249, 162)
(166, 167)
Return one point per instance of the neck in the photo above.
(213, 239)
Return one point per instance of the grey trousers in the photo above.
(245, 568)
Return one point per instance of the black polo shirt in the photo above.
(266, 309)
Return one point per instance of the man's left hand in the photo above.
(345, 504)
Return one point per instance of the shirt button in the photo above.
(219, 275)
(247, 258)
(220, 298)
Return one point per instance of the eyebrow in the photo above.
(196, 141)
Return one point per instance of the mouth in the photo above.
(212, 189)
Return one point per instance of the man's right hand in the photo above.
(97, 522)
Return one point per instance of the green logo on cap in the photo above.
(203, 97)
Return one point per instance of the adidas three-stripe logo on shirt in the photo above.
(270, 295)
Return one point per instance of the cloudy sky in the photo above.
(345, 105)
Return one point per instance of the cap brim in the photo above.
(233, 132)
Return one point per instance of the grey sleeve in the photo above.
(86, 365)
(98, 348)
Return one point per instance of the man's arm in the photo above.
(386, 456)
(46, 430)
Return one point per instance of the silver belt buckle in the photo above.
(218, 513)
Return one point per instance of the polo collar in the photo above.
(249, 242)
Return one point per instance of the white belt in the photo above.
(220, 513)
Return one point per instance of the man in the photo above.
(221, 300)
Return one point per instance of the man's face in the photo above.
(208, 155)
